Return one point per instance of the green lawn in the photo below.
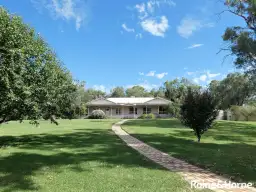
(77, 155)
(228, 148)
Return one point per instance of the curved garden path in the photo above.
(187, 171)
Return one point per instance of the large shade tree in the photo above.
(117, 92)
(235, 89)
(137, 91)
(91, 94)
(241, 40)
(160, 92)
(33, 82)
(176, 90)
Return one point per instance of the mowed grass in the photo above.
(228, 148)
(77, 155)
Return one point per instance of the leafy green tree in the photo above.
(235, 89)
(174, 109)
(176, 89)
(158, 92)
(243, 111)
(33, 82)
(198, 111)
(117, 92)
(241, 40)
(136, 91)
(78, 106)
(91, 94)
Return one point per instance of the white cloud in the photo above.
(138, 36)
(161, 75)
(209, 25)
(190, 73)
(127, 28)
(152, 4)
(212, 75)
(154, 74)
(148, 8)
(148, 86)
(148, 20)
(189, 25)
(195, 46)
(151, 74)
(196, 80)
(141, 8)
(203, 78)
(99, 87)
(64, 9)
(154, 27)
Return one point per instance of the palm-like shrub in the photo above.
(97, 114)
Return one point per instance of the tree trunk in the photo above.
(3, 120)
(52, 118)
(198, 136)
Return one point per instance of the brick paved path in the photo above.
(188, 171)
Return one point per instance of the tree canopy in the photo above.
(117, 92)
(241, 40)
(33, 81)
(176, 90)
(137, 91)
(235, 89)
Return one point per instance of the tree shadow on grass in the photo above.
(46, 150)
(236, 161)
(159, 123)
(244, 129)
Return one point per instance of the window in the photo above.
(118, 111)
(146, 110)
(162, 110)
(132, 110)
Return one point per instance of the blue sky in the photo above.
(132, 42)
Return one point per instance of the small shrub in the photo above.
(151, 116)
(142, 116)
(147, 116)
(97, 114)
(127, 117)
(198, 111)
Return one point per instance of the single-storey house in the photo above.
(130, 107)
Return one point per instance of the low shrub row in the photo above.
(99, 114)
(147, 116)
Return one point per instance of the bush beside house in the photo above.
(147, 116)
(97, 114)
